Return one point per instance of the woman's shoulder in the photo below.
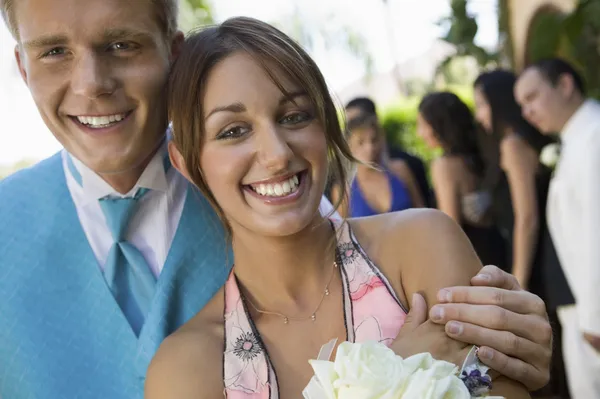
(423, 247)
(185, 364)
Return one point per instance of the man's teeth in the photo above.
(100, 121)
(278, 189)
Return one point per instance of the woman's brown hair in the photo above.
(274, 51)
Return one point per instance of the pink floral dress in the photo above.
(372, 312)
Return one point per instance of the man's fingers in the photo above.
(522, 302)
(503, 341)
(492, 276)
(488, 317)
(514, 368)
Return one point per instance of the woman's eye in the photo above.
(295, 118)
(232, 133)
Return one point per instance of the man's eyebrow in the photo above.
(45, 41)
(111, 35)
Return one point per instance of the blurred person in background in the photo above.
(519, 184)
(445, 122)
(365, 106)
(553, 97)
(378, 186)
(517, 180)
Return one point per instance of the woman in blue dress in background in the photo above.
(378, 186)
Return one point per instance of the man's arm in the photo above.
(508, 323)
(588, 298)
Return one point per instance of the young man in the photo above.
(105, 249)
(552, 97)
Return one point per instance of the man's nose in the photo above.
(92, 77)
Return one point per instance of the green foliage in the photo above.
(575, 37)
(462, 29)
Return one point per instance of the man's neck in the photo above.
(570, 111)
(123, 182)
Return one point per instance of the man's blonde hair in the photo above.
(166, 13)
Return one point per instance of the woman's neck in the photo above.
(285, 274)
(365, 171)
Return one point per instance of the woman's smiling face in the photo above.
(264, 154)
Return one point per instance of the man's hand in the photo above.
(593, 340)
(419, 335)
(509, 325)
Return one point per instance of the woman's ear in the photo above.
(177, 160)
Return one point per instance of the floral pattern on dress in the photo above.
(376, 315)
(244, 361)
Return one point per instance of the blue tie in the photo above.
(126, 272)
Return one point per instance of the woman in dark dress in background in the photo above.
(517, 180)
(445, 122)
(519, 186)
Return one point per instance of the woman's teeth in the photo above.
(277, 189)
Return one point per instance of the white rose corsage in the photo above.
(549, 155)
(371, 370)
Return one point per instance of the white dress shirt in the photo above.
(154, 223)
(573, 212)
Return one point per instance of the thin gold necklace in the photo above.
(287, 319)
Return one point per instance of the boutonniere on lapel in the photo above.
(549, 155)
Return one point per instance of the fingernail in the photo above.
(444, 296)
(485, 354)
(484, 277)
(437, 313)
(455, 328)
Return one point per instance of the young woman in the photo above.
(445, 122)
(518, 181)
(257, 131)
(376, 188)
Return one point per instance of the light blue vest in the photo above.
(62, 335)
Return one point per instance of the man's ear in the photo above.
(566, 85)
(177, 160)
(21, 63)
(176, 45)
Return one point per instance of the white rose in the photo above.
(371, 370)
(432, 379)
(549, 155)
(368, 370)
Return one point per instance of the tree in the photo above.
(461, 31)
(574, 36)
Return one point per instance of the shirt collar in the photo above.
(580, 121)
(154, 177)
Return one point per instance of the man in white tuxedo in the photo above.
(105, 249)
(552, 97)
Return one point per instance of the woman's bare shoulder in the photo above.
(424, 248)
(186, 364)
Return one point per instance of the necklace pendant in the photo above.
(313, 317)
(286, 320)
(326, 291)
